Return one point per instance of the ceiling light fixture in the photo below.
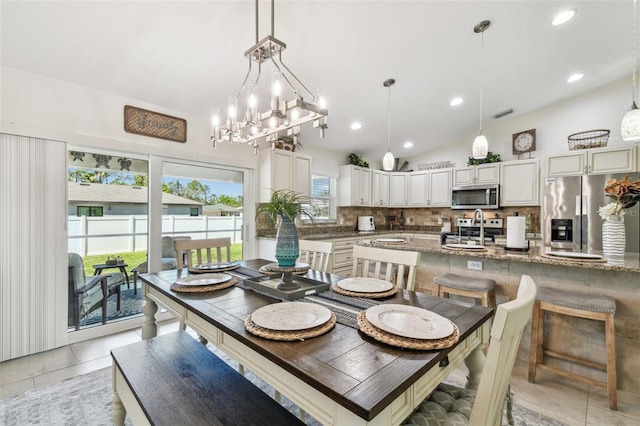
(456, 101)
(575, 77)
(284, 117)
(408, 144)
(388, 160)
(563, 17)
(480, 147)
(356, 125)
(630, 126)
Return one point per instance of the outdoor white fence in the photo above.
(128, 233)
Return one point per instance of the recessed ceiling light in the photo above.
(408, 144)
(575, 77)
(456, 101)
(356, 125)
(563, 17)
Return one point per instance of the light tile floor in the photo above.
(571, 402)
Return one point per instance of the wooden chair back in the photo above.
(508, 325)
(316, 253)
(205, 251)
(399, 265)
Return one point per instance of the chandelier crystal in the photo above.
(630, 126)
(284, 117)
(480, 147)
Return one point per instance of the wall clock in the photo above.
(524, 141)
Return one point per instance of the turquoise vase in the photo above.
(287, 247)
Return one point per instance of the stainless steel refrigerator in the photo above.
(570, 212)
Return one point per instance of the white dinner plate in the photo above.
(409, 321)
(215, 266)
(574, 255)
(203, 279)
(287, 316)
(391, 240)
(364, 285)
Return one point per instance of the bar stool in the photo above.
(592, 306)
(477, 288)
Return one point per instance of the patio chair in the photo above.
(451, 405)
(88, 294)
(169, 260)
(396, 266)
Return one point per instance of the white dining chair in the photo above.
(450, 405)
(397, 266)
(316, 253)
(205, 251)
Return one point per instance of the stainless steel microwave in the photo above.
(475, 197)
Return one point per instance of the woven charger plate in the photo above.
(406, 342)
(202, 288)
(572, 261)
(291, 335)
(273, 268)
(208, 271)
(377, 295)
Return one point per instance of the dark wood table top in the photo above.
(349, 367)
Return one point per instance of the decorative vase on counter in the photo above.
(287, 245)
(613, 237)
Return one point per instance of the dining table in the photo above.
(342, 377)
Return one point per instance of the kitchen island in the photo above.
(618, 278)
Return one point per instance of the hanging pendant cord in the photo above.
(389, 122)
(481, 74)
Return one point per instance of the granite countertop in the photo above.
(630, 263)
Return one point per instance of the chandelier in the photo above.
(630, 125)
(284, 117)
(480, 146)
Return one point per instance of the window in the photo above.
(194, 211)
(89, 211)
(323, 197)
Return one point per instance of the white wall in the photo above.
(39, 106)
(602, 108)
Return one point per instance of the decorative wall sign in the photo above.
(148, 123)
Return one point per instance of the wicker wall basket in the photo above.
(588, 139)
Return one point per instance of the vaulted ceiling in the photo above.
(189, 56)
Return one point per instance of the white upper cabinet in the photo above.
(519, 183)
(428, 188)
(477, 175)
(280, 169)
(398, 189)
(379, 188)
(595, 161)
(354, 186)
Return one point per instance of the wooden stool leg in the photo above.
(610, 338)
(435, 290)
(537, 329)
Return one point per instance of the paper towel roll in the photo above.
(516, 232)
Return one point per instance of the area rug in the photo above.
(86, 400)
(130, 305)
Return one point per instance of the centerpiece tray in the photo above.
(267, 285)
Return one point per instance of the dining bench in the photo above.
(174, 380)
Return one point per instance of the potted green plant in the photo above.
(286, 205)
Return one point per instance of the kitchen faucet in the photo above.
(481, 224)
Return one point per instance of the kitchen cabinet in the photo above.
(379, 188)
(477, 175)
(594, 161)
(519, 183)
(428, 188)
(398, 189)
(280, 169)
(354, 186)
(343, 256)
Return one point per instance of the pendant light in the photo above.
(630, 126)
(480, 147)
(388, 160)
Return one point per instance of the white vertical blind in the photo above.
(33, 245)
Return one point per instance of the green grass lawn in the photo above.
(133, 259)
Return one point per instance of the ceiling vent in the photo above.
(503, 113)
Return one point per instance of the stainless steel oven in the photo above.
(475, 197)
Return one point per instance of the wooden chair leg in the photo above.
(537, 329)
(435, 290)
(610, 338)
